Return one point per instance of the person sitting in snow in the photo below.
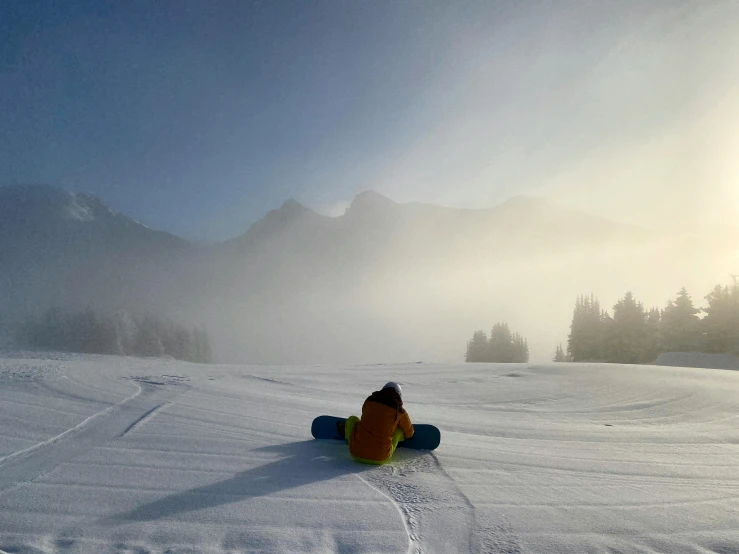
(384, 423)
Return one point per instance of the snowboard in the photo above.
(425, 437)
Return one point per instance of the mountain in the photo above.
(45, 216)
(383, 281)
(376, 228)
(60, 248)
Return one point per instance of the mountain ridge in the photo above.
(85, 207)
(293, 274)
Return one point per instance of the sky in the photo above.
(199, 117)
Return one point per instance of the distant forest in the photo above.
(94, 333)
(635, 335)
(632, 335)
(502, 346)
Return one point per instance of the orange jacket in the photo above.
(382, 414)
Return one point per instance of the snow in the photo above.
(79, 212)
(698, 359)
(105, 454)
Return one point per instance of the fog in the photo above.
(384, 282)
(392, 304)
(628, 111)
(521, 155)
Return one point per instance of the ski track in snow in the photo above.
(66, 434)
(109, 455)
(117, 420)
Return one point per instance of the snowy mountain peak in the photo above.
(278, 221)
(47, 203)
(292, 206)
(36, 218)
(370, 201)
(77, 210)
(291, 210)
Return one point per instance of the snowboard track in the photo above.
(413, 545)
(412, 484)
(69, 433)
(114, 422)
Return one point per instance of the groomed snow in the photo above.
(106, 454)
(698, 359)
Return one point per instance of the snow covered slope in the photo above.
(698, 359)
(106, 454)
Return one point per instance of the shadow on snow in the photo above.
(301, 463)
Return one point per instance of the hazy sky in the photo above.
(197, 117)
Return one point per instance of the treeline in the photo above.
(502, 346)
(634, 334)
(94, 333)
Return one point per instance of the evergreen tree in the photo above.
(90, 332)
(721, 323)
(520, 349)
(50, 332)
(609, 347)
(680, 327)
(170, 337)
(202, 352)
(559, 355)
(82, 330)
(501, 349)
(181, 348)
(585, 341)
(148, 342)
(105, 339)
(653, 342)
(477, 348)
(126, 332)
(630, 332)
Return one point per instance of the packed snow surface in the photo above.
(698, 359)
(118, 455)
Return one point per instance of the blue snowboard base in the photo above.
(425, 437)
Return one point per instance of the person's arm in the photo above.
(405, 424)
